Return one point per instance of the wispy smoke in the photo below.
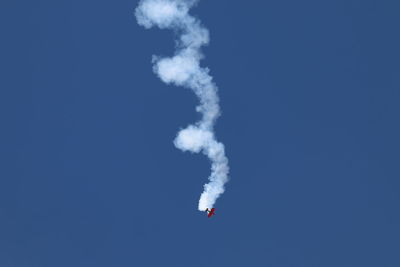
(183, 69)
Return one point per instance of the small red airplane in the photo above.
(210, 212)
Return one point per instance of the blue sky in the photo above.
(309, 95)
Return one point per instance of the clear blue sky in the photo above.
(310, 98)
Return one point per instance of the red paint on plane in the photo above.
(210, 212)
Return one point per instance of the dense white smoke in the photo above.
(183, 69)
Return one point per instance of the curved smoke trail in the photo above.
(183, 69)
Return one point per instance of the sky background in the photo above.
(310, 97)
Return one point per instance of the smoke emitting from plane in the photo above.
(183, 69)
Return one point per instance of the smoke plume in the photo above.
(183, 69)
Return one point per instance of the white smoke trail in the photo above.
(183, 69)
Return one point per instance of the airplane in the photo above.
(210, 212)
